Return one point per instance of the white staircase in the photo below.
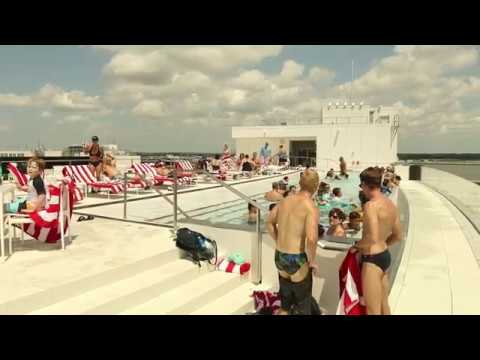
(162, 284)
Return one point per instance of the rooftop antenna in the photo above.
(351, 83)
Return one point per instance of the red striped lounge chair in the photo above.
(185, 171)
(83, 175)
(149, 171)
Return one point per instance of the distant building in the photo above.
(15, 153)
(74, 150)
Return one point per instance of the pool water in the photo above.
(236, 212)
(350, 189)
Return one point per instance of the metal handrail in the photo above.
(257, 245)
(235, 191)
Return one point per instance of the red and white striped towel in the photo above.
(266, 300)
(350, 287)
(230, 267)
(46, 223)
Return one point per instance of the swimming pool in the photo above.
(236, 213)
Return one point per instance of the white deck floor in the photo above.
(439, 273)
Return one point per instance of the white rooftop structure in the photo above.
(362, 134)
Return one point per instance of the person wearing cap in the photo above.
(95, 152)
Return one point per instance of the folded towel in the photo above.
(231, 267)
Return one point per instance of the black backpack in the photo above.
(197, 246)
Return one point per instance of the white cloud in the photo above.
(71, 119)
(149, 109)
(321, 75)
(291, 70)
(156, 64)
(252, 79)
(54, 98)
(428, 84)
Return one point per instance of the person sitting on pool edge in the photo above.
(387, 187)
(36, 190)
(336, 217)
(274, 195)
(216, 162)
(396, 180)
(247, 165)
(252, 213)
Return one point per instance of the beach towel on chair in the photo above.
(46, 223)
(350, 287)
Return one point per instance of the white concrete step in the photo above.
(100, 296)
(188, 297)
(235, 302)
(56, 294)
(154, 291)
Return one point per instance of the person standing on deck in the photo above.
(381, 229)
(265, 154)
(95, 151)
(226, 152)
(282, 156)
(293, 224)
(343, 167)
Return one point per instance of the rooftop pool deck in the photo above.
(133, 267)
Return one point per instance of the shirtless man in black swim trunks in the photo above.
(381, 229)
(293, 224)
(95, 152)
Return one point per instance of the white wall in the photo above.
(368, 144)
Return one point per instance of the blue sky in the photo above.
(160, 98)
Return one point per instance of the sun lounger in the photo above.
(82, 174)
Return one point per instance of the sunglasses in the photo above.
(334, 216)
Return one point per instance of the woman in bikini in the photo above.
(95, 152)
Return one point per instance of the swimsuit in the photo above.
(382, 260)
(98, 154)
(290, 263)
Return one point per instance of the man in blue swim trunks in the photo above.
(293, 224)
